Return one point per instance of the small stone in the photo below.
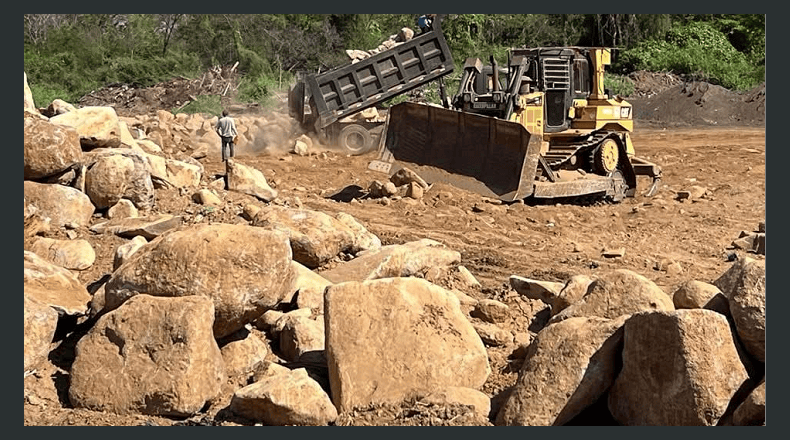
(613, 253)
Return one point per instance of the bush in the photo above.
(618, 84)
(697, 50)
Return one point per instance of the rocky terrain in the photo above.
(294, 286)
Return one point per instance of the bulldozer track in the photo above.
(560, 153)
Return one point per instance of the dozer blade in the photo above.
(489, 156)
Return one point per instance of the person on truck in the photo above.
(425, 22)
(226, 129)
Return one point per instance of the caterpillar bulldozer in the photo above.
(541, 127)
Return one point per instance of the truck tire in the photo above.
(355, 139)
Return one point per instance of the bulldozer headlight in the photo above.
(625, 112)
(497, 97)
(467, 97)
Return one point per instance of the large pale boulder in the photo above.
(59, 107)
(30, 106)
(568, 367)
(363, 239)
(287, 398)
(40, 322)
(248, 180)
(315, 237)
(616, 293)
(182, 174)
(409, 259)
(243, 269)
(679, 368)
(303, 336)
(387, 339)
(62, 204)
(743, 284)
(150, 226)
(49, 148)
(694, 294)
(116, 174)
(98, 127)
(70, 254)
(154, 356)
(242, 356)
(752, 411)
(54, 286)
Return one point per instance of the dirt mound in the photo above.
(130, 100)
(698, 103)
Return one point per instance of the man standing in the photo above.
(226, 129)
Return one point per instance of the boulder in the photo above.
(409, 259)
(182, 174)
(98, 127)
(315, 237)
(752, 411)
(154, 356)
(244, 270)
(680, 368)
(467, 278)
(694, 294)
(363, 240)
(460, 396)
(616, 293)
(377, 189)
(405, 176)
(248, 180)
(123, 209)
(301, 336)
(493, 335)
(62, 204)
(116, 174)
(405, 34)
(311, 298)
(387, 339)
(150, 226)
(309, 288)
(125, 251)
(149, 146)
(49, 149)
(59, 107)
(545, 291)
(492, 311)
(243, 356)
(575, 288)
(287, 398)
(30, 106)
(40, 322)
(54, 286)
(69, 254)
(568, 367)
(207, 197)
(277, 322)
(743, 284)
(301, 148)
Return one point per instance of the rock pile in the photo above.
(404, 35)
(297, 317)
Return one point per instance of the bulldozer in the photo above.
(542, 127)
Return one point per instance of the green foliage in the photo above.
(68, 55)
(696, 49)
(211, 104)
(618, 84)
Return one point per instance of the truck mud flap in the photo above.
(489, 156)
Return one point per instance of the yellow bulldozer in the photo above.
(542, 127)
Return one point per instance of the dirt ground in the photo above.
(547, 242)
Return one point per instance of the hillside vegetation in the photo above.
(67, 56)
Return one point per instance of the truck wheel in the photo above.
(355, 139)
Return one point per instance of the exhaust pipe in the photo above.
(495, 76)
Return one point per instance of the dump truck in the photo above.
(542, 127)
(322, 103)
